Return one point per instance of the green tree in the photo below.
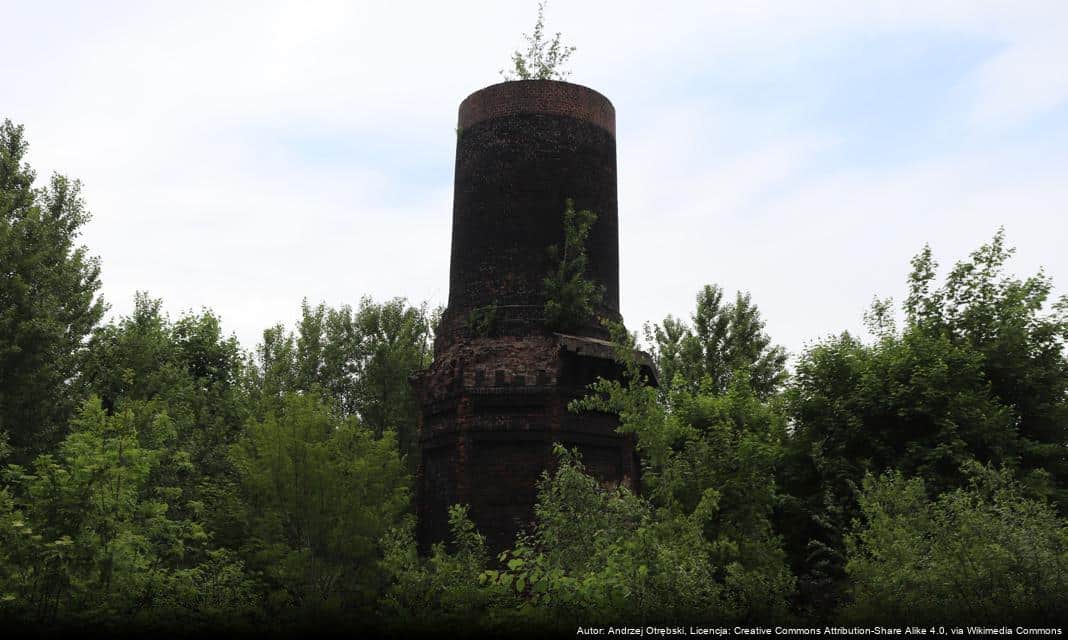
(359, 360)
(571, 296)
(90, 538)
(322, 491)
(723, 340)
(1005, 321)
(913, 402)
(48, 298)
(603, 555)
(543, 60)
(709, 458)
(600, 555)
(982, 554)
(441, 593)
(926, 399)
(395, 342)
(149, 365)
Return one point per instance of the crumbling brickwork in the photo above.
(495, 398)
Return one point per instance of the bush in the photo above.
(978, 555)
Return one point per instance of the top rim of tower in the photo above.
(545, 97)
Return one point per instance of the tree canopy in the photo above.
(48, 298)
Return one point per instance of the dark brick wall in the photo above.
(492, 407)
(521, 152)
(538, 96)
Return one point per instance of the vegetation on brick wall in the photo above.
(482, 322)
(570, 295)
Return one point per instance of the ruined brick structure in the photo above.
(494, 402)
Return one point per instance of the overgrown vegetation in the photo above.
(482, 321)
(724, 339)
(48, 304)
(158, 477)
(543, 59)
(982, 553)
(571, 296)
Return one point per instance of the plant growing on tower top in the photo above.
(543, 59)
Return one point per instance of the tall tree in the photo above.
(1020, 339)
(148, 365)
(978, 373)
(359, 360)
(48, 297)
(323, 490)
(724, 338)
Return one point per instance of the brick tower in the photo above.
(494, 401)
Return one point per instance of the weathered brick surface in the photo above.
(524, 148)
(538, 96)
(492, 407)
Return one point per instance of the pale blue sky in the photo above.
(241, 156)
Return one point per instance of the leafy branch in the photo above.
(569, 295)
(483, 322)
(543, 58)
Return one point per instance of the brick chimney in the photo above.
(495, 398)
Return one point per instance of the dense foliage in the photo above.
(983, 553)
(157, 476)
(725, 339)
(48, 298)
(977, 374)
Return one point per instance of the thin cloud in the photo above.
(243, 156)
